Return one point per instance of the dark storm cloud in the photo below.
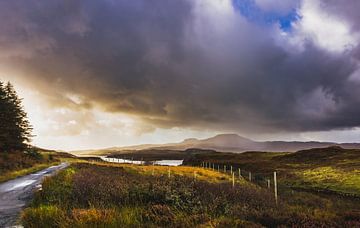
(178, 63)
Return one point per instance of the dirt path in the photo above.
(14, 194)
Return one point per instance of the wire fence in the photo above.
(264, 181)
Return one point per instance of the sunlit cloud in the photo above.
(326, 30)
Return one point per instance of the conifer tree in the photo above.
(15, 129)
(3, 121)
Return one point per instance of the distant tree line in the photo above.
(15, 129)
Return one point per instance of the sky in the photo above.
(97, 74)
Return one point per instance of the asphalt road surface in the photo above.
(15, 194)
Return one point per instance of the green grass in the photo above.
(330, 179)
(331, 169)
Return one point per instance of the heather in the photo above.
(98, 195)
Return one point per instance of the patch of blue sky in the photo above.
(254, 13)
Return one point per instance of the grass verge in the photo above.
(22, 172)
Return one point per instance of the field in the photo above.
(328, 170)
(94, 194)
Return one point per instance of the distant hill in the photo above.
(225, 143)
(333, 154)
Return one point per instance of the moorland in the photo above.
(316, 188)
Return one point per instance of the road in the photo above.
(15, 194)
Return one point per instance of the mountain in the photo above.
(225, 143)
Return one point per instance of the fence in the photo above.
(259, 179)
(234, 172)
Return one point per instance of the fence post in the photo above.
(224, 168)
(218, 168)
(213, 167)
(239, 173)
(268, 183)
(275, 188)
(249, 176)
(231, 170)
(152, 172)
(233, 180)
(169, 175)
(195, 175)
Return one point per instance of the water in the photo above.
(159, 162)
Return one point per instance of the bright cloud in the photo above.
(326, 30)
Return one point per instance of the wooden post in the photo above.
(169, 175)
(213, 167)
(249, 176)
(239, 173)
(218, 168)
(275, 188)
(233, 180)
(268, 183)
(224, 168)
(231, 170)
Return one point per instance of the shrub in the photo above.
(44, 216)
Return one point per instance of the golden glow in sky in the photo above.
(66, 129)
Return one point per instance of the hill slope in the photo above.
(227, 143)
